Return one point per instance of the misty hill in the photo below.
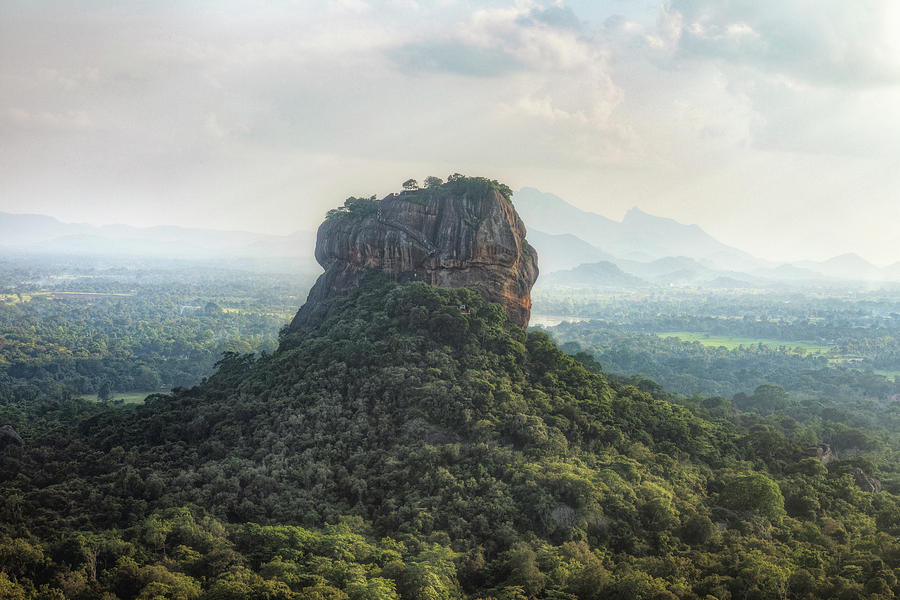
(595, 275)
(666, 268)
(892, 271)
(562, 251)
(43, 234)
(665, 252)
(789, 272)
(620, 273)
(672, 270)
(682, 270)
(23, 229)
(846, 268)
(849, 267)
(639, 236)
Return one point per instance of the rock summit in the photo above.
(463, 233)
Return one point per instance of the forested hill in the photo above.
(408, 449)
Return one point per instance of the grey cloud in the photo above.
(454, 57)
(561, 17)
(826, 42)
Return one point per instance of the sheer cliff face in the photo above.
(436, 236)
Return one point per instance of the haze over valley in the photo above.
(577, 248)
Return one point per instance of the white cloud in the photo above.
(548, 74)
(822, 42)
(67, 120)
(711, 112)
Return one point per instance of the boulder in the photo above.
(9, 436)
(865, 482)
(822, 452)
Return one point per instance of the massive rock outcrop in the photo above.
(464, 233)
(10, 437)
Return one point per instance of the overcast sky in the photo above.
(773, 124)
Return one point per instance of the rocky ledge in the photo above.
(463, 233)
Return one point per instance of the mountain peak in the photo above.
(635, 212)
(639, 236)
(636, 216)
(848, 259)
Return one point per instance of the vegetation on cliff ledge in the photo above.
(358, 208)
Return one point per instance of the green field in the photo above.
(241, 311)
(731, 342)
(889, 374)
(54, 295)
(126, 397)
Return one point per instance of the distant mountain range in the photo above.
(673, 270)
(558, 252)
(639, 236)
(685, 271)
(583, 248)
(847, 266)
(580, 248)
(601, 274)
(47, 235)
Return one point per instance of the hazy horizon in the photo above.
(772, 126)
(312, 231)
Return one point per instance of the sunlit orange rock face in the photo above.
(462, 239)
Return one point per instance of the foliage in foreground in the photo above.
(409, 450)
